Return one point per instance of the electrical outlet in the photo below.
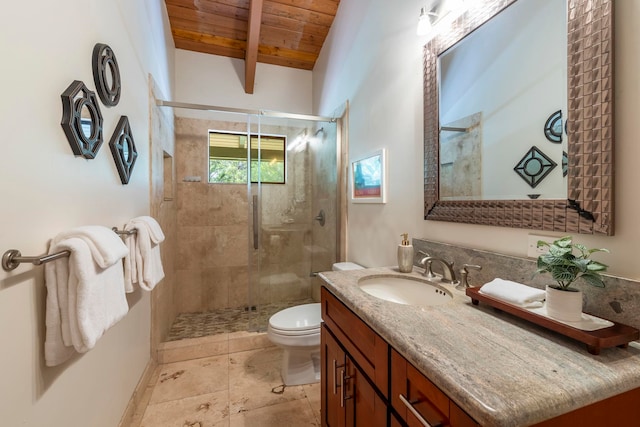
(533, 251)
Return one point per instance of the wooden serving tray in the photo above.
(618, 335)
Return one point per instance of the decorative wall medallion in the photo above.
(106, 74)
(565, 163)
(82, 120)
(123, 149)
(553, 127)
(534, 166)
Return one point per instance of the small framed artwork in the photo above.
(369, 178)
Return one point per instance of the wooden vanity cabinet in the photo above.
(374, 376)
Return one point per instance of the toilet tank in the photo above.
(345, 266)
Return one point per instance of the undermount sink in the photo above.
(405, 290)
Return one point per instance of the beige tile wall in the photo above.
(212, 227)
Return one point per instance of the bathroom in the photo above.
(372, 59)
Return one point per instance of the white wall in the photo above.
(45, 189)
(219, 81)
(373, 58)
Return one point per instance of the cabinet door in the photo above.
(365, 407)
(333, 366)
(362, 343)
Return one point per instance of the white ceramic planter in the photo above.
(564, 305)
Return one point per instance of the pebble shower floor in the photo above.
(226, 320)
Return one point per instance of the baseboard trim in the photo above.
(140, 398)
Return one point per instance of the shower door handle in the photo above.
(255, 222)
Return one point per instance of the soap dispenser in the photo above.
(405, 255)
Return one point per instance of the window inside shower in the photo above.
(230, 161)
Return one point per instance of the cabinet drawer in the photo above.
(413, 396)
(366, 348)
(411, 389)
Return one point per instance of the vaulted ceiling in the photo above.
(289, 33)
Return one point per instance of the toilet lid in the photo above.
(299, 318)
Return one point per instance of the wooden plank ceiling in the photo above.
(289, 33)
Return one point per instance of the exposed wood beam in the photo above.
(253, 40)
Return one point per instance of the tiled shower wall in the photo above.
(215, 247)
(212, 268)
(163, 209)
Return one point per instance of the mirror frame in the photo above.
(588, 208)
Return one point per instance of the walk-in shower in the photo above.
(257, 215)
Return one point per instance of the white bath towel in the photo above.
(143, 264)
(85, 292)
(105, 246)
(514, 293)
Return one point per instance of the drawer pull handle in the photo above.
(413, 410)
(343, 397)
(335, 377)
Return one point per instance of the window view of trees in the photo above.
(228, 162)
(227, 171)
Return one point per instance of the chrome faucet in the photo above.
(448, 274)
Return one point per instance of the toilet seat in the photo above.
(299, 320)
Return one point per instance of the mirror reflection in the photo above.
(86, 121)
(503, 97)
(125, 149)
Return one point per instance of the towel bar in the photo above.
(12, 258)
(124, 232)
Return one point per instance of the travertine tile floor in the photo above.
(233, 390)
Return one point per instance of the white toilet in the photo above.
(297, 331)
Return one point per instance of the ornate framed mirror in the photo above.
(588, 207)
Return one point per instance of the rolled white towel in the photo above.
(514, 293)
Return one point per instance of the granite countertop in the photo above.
(503, 371)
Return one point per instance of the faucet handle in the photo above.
(423, 256)
(464, 275)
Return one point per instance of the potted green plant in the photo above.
(567, 262)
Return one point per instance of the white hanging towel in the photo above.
(85, 291)
(143, 264)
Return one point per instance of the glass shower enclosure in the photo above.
(257, 214)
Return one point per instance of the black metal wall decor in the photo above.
(565, 163)
(553, 127)
(82, 120)
(534, 166)
(123, 149)
(106, 74)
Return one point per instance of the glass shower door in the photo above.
(293, 212)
